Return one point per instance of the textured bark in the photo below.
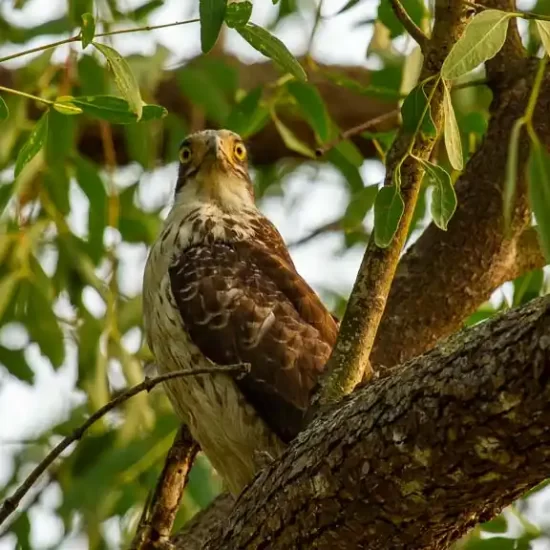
(413, 460)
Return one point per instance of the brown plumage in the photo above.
(220, 287)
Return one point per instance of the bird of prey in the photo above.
(220, 288)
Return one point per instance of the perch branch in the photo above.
(10, 504)
(410, 26)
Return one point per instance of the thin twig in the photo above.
(78, 37)
(410, 26)
(335, 225)
(10, 504)
(356, 130)
(157, 520)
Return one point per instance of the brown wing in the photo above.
(239, 303)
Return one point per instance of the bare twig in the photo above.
(335, 225)
(410, 26)
(357, 130)
(155, 526)
(10, 504)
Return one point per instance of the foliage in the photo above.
(106, 478)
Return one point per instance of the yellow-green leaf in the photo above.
(212, 14)
(34, 143)
(66, 108)
(511, 173)
(483, 37)
(7, 287)
(291, 141)
(452, 133)
(4, 111)
(444, 197)
(539, 192)
(272, 47)
(388, 209)
(544, 32)
(124, 78)
(87, 32)
(311, 106)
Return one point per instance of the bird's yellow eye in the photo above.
(185, 154)
(239, 151)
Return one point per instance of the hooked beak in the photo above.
(214, 155)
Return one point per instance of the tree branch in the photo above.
(155, 526)
(10, 504)
(349, 361)
(410, 26)
(412, 461)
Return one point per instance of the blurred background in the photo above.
(76, 225)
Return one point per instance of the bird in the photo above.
(220, 288)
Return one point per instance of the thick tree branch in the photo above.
(349, 361)
(410, 26)
(155, 526)
(412, 461)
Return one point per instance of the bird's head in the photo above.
(214, 168)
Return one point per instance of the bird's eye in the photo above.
(185, 154)
(240, 151)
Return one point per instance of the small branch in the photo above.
(78, 37)
(155, 526)
(357, 130)
(410, 26)
(349, 363)
(335, 225)
(10, 504)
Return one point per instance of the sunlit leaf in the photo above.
(113, 109)
(509, 194)
(539, 192)
(88, 29)
(312, 107)
(444, 197)
(248, 116)
(212, 14)
(34, 143)
(388, 209)
(124, 78)
(452, 133)
(7, 288)
(483, 38)
(238, 13)
(415, 108)
(544, 33)
(290, 139)
(272, 47)
(4, 111)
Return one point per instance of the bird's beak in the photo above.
(214, 152)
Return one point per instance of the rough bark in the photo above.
(415, 459)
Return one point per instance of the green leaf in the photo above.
(124, 79)
(414, 109)
(452, 133)
(544, 32)
(388, 209)
(88, 29)
(348, 169)
(444, 197)
(61, 139)
(349, 4)
(527, 287)
(34, 143)
(483, 38)
(359, 204)
(311, 106)
(7, 288)
(238, 13)
(212, 14)
(290, 139)
(248, 116)
(511, 173)
(87, 176)
(43, 327)
(350, 152)
(272, 47)
(14, 360)
(539, 192)
(4, 111)
(113, 109)
(66, 108)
